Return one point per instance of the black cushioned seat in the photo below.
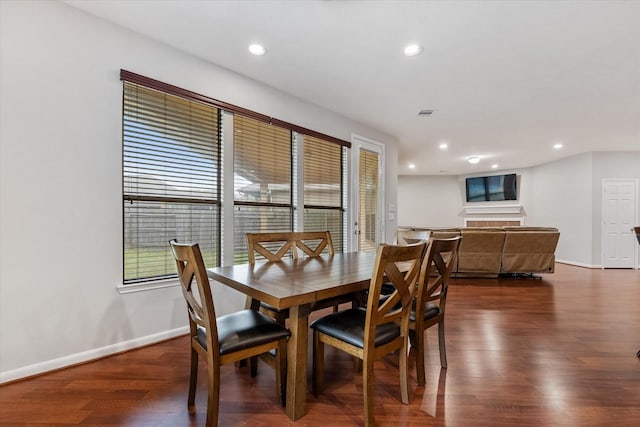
(244, 329)
(348, 326)
(430, 311)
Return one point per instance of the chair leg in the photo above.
(404, 372)
(253, 366)
(419, 347)
(317, 373)
(367, 386)
(193, 381)
(443, 349)
(281, 371)
(357, 365)
(213, 400)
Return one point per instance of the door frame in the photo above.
(357, 143)
(603, 231)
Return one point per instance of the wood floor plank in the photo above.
(553, 352)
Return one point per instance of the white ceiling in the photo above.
(507, 80)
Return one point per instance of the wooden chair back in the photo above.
(410, 236)
(436, 271)
(431, 298)
(274, 246)
(391, 260)
(200, 305)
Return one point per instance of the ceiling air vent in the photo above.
(425, 113)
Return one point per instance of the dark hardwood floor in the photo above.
(553, 352)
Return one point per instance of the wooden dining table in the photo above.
(297, 284)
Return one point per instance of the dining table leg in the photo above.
(297, 361)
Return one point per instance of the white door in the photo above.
(618, 215)
(368, 195)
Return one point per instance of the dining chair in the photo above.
(371, 333)
(275, 246)
(224, 340)
(431, 299)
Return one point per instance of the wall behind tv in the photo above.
(438, 201)
(566, 193)
(61, 215)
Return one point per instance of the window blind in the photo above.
(368, 220)
(171, 187)
(262, 158)
(323, 188)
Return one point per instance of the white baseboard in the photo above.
(86, 356)
(578, 264)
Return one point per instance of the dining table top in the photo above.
(294, 282)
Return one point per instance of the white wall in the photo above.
(439, 201)
(562, 198)
(611, 165)
(434, 201)
(566, 194)
(61, 215)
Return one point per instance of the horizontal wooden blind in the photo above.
(171, 188)
(262, 158)
(368, 220)
(323, 188)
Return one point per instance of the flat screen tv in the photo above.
(492, 188)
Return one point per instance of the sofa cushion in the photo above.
(528, 251)
(480, 250)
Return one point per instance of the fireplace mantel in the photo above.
(493, 210)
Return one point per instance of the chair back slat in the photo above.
(391, 260)
(274, 246)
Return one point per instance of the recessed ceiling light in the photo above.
(423, 113)
(474, 160)
(494, 166)
(257, 49)
(557, 146)
(412, 166)
(443, 145)
(412, 50)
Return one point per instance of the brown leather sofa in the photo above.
(491, 251)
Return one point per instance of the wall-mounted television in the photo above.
(492, 188)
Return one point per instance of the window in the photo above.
(262, 159)
(171, 188)
(324, 170)
(173, 181)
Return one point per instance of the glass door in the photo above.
(368, 193)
